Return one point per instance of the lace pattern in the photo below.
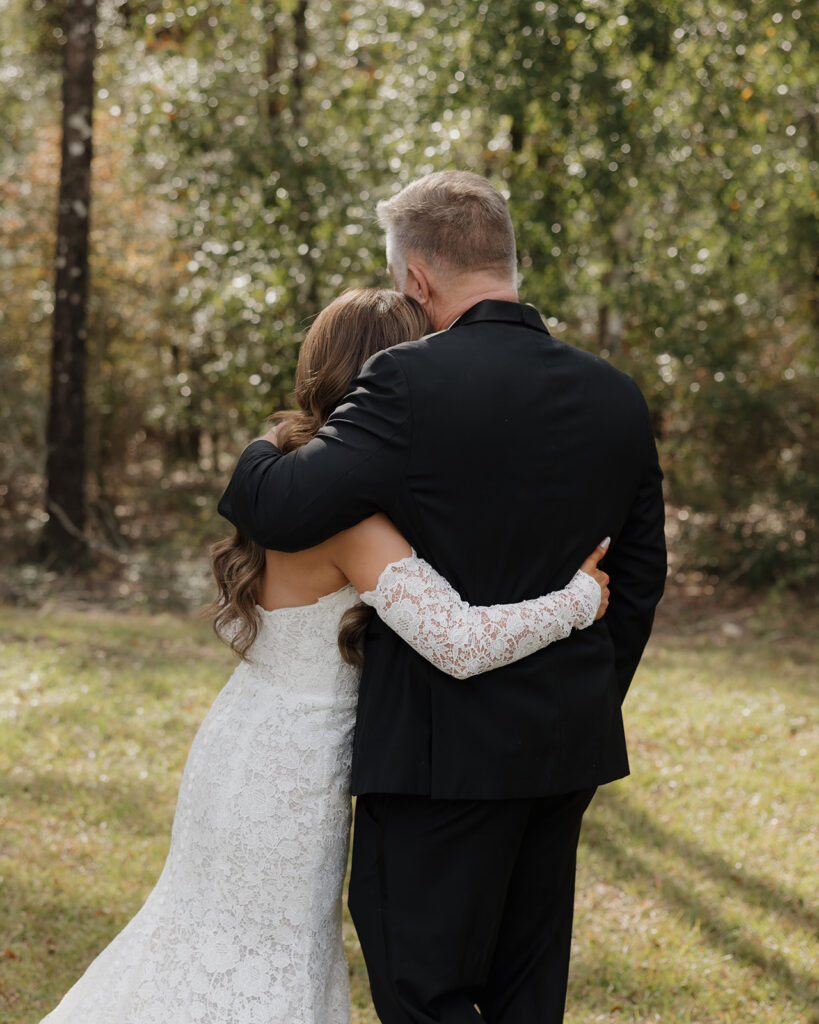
(423, 609)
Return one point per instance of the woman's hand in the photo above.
(590, 568)
(273, 435)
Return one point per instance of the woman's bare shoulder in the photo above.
(364, 550)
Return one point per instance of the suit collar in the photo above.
(507, 312)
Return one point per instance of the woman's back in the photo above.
(293, 578)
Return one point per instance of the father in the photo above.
(503, 455)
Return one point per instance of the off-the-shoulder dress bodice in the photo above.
(296, 648)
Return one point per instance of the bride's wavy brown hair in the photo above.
(341, 339)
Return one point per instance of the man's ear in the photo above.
(417, 284)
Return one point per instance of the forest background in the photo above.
(660, 161)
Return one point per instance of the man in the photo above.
(504, 456)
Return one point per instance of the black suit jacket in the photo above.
(504, 456)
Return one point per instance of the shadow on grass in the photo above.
(756, 665)
(51, 940)
(718, 931)
(136, 807)
(168, 726)
(613, 983)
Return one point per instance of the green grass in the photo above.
(697, 876)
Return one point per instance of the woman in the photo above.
(244, 925)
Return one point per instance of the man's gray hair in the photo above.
(454, 220)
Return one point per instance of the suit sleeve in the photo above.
(346, 473)
(637, 565)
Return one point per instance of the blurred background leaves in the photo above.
(661, 166)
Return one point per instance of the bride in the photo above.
(244, 924)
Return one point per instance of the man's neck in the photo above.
(456, 305)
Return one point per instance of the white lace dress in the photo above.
(244, 924)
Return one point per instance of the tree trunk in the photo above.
(301, 43)
(63, 536)
(273, 60)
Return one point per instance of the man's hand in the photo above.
(590, 568)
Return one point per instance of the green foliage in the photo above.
(660, 161)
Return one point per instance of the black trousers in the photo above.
(464, 907)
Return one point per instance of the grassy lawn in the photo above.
(697, 878)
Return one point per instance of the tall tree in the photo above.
(63, 536)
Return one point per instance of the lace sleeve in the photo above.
(424, 610)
